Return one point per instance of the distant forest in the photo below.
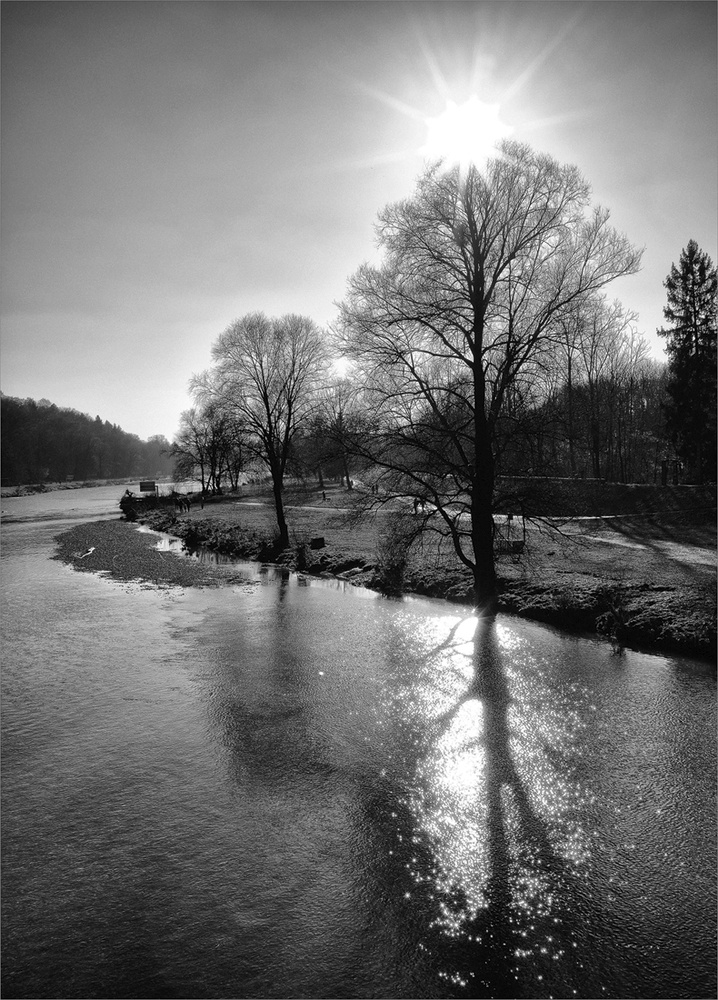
(42, 442)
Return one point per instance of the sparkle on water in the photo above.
(498, 804)
(492, 763)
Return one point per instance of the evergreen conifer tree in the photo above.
(691, 349)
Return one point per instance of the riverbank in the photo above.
(647, 582)
(28, 489)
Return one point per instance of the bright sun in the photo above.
(465, 133)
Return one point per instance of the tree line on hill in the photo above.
(42, 442)
(482, 344)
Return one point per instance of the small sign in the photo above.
(148, 486)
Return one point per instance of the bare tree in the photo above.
(191, 447)
(571, 325)
(602, 337)
(266, 373)
(477, 268)
(345, 423)
(233, 453)
(326, 443)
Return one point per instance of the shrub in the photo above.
(392, 554)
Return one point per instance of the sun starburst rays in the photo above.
(475, 90)
(465, 133)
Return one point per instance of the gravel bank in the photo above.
(122, 552)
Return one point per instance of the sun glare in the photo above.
(341, 367)
(465, 133)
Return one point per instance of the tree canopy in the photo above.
(463, 314)
(43, 442)
(691, 348)
(209, 447)
(266, 374)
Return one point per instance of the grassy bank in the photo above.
(645, 580)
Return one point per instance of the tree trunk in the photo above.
(277, 484)
(482, 521)
(699, 459)
(595, 449)
(569, 397)
(482, 488)
(482, 536)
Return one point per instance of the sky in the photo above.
(168, 167)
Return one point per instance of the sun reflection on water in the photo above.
(496, 797)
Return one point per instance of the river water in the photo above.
(285, 788)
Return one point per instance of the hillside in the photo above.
(42, 442)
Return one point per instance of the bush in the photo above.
(393, 554)
(300, 544)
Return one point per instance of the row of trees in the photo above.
(209, 447)
(599, 414)
(42, 442)
(598, 411)
(483, 343)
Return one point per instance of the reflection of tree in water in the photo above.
(321, 823)
(456, 851)
(502, 863)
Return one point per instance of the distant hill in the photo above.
(42, 442)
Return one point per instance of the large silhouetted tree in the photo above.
(691, 348)
(266, 373)
(461, 316)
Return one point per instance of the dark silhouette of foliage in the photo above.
(42, 442)
(691, 348)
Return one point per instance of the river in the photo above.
(287, 788)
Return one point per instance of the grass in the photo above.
(642, 579)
